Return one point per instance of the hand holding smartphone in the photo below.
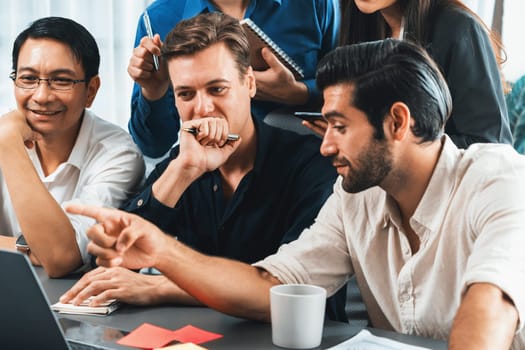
(315, 120)
(309, 116)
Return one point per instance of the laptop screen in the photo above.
(26, 319)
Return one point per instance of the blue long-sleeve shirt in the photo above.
(305, 29)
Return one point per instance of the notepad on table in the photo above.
(366, 340)
(83, 309)
(259, 39)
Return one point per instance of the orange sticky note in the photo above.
(191, 334)
(147, 336)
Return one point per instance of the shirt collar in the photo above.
(76, 158)
(195, 7)
(434, 203)
(77, 153)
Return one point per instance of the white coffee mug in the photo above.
(297, 313)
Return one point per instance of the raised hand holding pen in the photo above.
(141, 68)
(149, 31)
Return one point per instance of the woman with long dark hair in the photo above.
(463, 47)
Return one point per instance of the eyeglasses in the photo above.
(31, 82)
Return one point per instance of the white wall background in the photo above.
(513, 22)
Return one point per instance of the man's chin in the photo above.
(355, 187)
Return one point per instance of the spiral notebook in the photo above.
(84, 308)
(258, 39)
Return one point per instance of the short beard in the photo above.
(376, 164)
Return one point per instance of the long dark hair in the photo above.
(358, 27)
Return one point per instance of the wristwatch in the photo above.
(21, 244)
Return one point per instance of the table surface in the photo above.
(238, 333)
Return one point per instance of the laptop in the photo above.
(27, 321)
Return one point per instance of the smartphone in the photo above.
(21, 243)
(309, 116)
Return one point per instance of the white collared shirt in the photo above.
(471, 224)
(104, 167)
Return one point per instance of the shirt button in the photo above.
(215, 188)
(140, 202)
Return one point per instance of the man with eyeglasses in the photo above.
(53, 151)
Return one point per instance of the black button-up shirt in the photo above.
(273, 203)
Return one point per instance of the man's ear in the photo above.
(92, 88)
(399, 121)
(250, 80)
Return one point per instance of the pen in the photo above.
(194, 131)
(149, 31)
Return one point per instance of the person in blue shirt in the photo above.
(237, 199)
(306, 30)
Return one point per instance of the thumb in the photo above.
(125, 240)
(157, 40)
(271, 59)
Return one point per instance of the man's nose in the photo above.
(42, 92)
(328, 145)
(203, 105)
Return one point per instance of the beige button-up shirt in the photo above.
(471, 224)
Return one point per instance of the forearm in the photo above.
(167, 292)
(228, 286)
(154, 125)
(297, 94)
(44, 224)
(486, 319)
(170, 186)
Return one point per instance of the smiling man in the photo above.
(54, 151)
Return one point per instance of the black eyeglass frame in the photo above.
(48, 81)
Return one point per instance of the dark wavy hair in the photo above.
(387, 71)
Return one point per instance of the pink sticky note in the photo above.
(191, 334)
(147, 336)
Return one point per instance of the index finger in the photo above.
(98, 213)
(77, 288)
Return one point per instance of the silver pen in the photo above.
(149, 31)
(194, 131)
